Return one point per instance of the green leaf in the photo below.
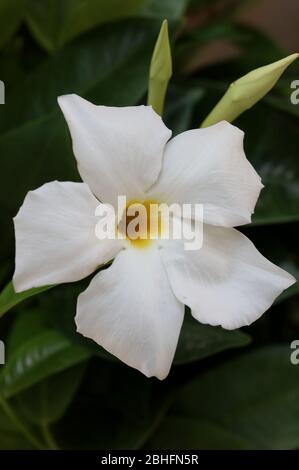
(198, 341)
(10, 436)
(247, 91)
(32, 155)
(47, 401)
(55, 22)
(290, 292)
(9, 298)
(93, 66)
(103, 418)
(11, 14)
(271, 145)
(182, 432)
(36, 403)
(55, 311)
(41, 356)
(248, 402)
(179, 108)
(27, 323)
(160, 71)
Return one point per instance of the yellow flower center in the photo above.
(141, 222)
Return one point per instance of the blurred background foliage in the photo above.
(227, 389)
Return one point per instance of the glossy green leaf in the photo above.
(41, 356)
(251, 401)
(11, 15)
(36, 404)
(55, 22)
(47, 401)
(199, 341)
(247, 91)
(160, 71)
(27, 323)
(9, 298)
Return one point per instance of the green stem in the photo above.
(49, 438)
(20, 425)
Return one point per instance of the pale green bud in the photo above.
(247, 91)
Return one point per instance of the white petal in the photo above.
(131, 311)
(227, 282)
(119, 150)
(208, 166)
(55, 236)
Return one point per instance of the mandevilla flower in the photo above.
(135, 308)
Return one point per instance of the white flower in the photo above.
(135, 308)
